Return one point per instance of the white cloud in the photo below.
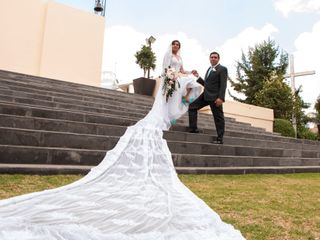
(299, 6)
(232, 49)
(120, 45)
(306, 58)
(122, 42)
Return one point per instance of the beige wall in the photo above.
(48, 39)
(21, 27)
(156, 87)
(256, 116)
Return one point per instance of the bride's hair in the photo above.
(176, 41)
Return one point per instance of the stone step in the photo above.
(237, 141)
(202, 123)
(108, 109)
(43, 169)
(36, 138)
(16, 77)
(65, 169)
(89, 102)
(27, 88)
(70, 114)
(11, 154)
(28, 111)
(31, 137)
(198, 160)
(66, 156)
(22, 87)
(237, 150)
(22, 122)
(49, 127)
(43, 100)
(249, 170)
(60, 125)
(18, 87)
(66, 106)
(34, 80)
(16, 123)
(253, 136)
(62, 89)
(184, 120)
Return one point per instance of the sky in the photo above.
(229, 27)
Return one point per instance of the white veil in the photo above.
(168, 56)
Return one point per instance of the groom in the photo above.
(215, 83)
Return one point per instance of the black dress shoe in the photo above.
(218, 141)
(194, 130)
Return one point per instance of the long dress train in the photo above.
(133, 194)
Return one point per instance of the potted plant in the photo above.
(146, 60)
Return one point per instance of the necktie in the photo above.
(208, 72)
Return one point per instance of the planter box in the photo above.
(144, 86)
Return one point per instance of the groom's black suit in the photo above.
(215, 84)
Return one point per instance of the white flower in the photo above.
(172, 74)
(170, 79)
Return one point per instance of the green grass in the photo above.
(13, 185)
(262, 207)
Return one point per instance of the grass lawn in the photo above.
(269, 207)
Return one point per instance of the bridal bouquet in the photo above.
(170, 82)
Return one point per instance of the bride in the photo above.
(133, 194)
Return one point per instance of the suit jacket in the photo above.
(215, 84)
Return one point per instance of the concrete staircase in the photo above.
(55, 127)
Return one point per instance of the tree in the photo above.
(260, 77)
(259, 67)
(276, 95)
(317, 107)
(146, 59)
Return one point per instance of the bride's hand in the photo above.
(195, 73)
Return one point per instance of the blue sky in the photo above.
(205, 25)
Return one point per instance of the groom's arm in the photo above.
(223, 83)
(201, 81)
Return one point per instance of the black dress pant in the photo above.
(217, 113)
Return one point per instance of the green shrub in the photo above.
(305, 133)
(284, 127)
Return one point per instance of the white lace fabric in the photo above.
(133, 194)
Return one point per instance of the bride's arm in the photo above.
(184, 71)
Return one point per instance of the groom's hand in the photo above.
(218, 102)
(195, 73)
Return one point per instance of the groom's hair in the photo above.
(216, 54)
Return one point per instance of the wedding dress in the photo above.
(133, 194)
